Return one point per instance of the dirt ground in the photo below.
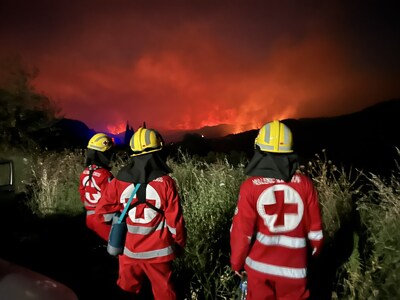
(61, 248)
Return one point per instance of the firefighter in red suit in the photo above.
(93, 181)
(277, 222)
(156, 229)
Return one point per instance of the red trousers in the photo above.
(264, 287)
(100, 228)
(131, 276)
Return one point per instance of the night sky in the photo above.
(187, 64)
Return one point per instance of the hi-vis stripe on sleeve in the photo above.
(315, 235)
(294, 273)
(87, 204)
(171, 229)
(108, 217)
(281, 240)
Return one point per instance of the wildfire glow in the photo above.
(240, 66)
(116, 129)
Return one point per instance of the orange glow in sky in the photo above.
(185, 65)
(116, 129)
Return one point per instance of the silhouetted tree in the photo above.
(23, 111)
(128, 133)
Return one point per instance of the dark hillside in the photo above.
(64, 134)
(365, 140)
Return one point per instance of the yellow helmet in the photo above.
(274, 137)
(100, 142)
(145, 141)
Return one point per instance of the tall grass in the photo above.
(336, 189)
(52, 179)
(373, 271)
(209, 194)
(54, 183)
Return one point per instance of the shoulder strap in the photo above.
(91, 170)
(141, 195)
(121, 217)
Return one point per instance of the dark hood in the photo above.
(101, 159)
(144, 168)
(273, 165)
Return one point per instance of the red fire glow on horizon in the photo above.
(230, 128)
(116, 129)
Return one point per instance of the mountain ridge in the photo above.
(367, 139)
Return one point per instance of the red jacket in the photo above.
(273, 223)
(151, 235)
(90, 191)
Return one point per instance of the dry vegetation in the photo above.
(209, 192)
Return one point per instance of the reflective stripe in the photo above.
(143, 229)
(147, 137)
(149, 254)
(286, 135)
(315, 235)
(89, 212)
(267, 134)
(276, 270)
(87, 204)
(171, 229)
(108, 217)
(94, 147)
(281, 240)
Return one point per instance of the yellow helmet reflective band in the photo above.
(145, 141)
(100, 142)
(274, 137)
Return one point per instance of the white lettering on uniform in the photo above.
(296, 179)
(266, 180)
